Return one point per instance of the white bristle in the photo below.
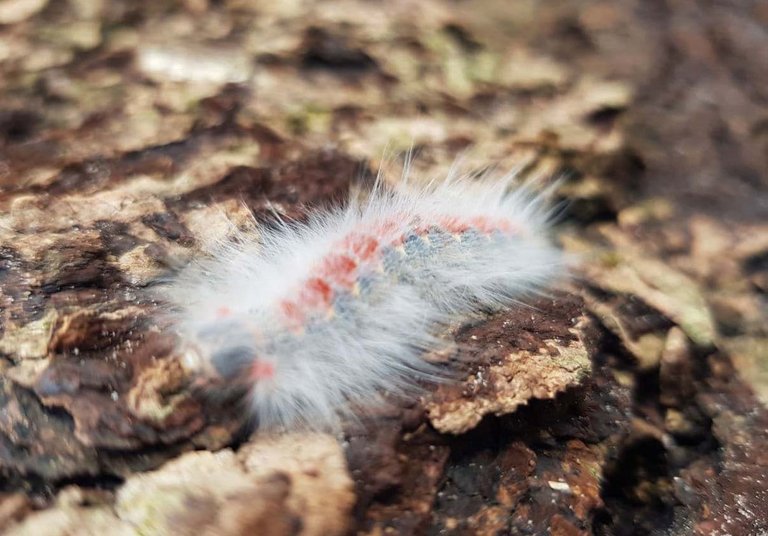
(318, 319)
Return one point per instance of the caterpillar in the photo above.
(316, 319)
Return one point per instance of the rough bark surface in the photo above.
(632, 402)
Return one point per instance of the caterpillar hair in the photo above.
(316, 319)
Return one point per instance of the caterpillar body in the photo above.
(314, 319)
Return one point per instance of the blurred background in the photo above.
(121, 121)
(674, 89)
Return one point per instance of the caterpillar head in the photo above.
(224, 354)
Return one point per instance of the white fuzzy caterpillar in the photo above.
(313, 319)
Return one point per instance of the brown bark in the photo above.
(632, 402)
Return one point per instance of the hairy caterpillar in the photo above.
(313, 319)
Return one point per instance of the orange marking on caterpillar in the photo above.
(422, 229)
(317, 292)
(454, 225)
(340, 269)
(481, 223)
(262, 370)
(362, 246)
(292, 312)
(508, 227)
(223, 312)
(386, 227)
